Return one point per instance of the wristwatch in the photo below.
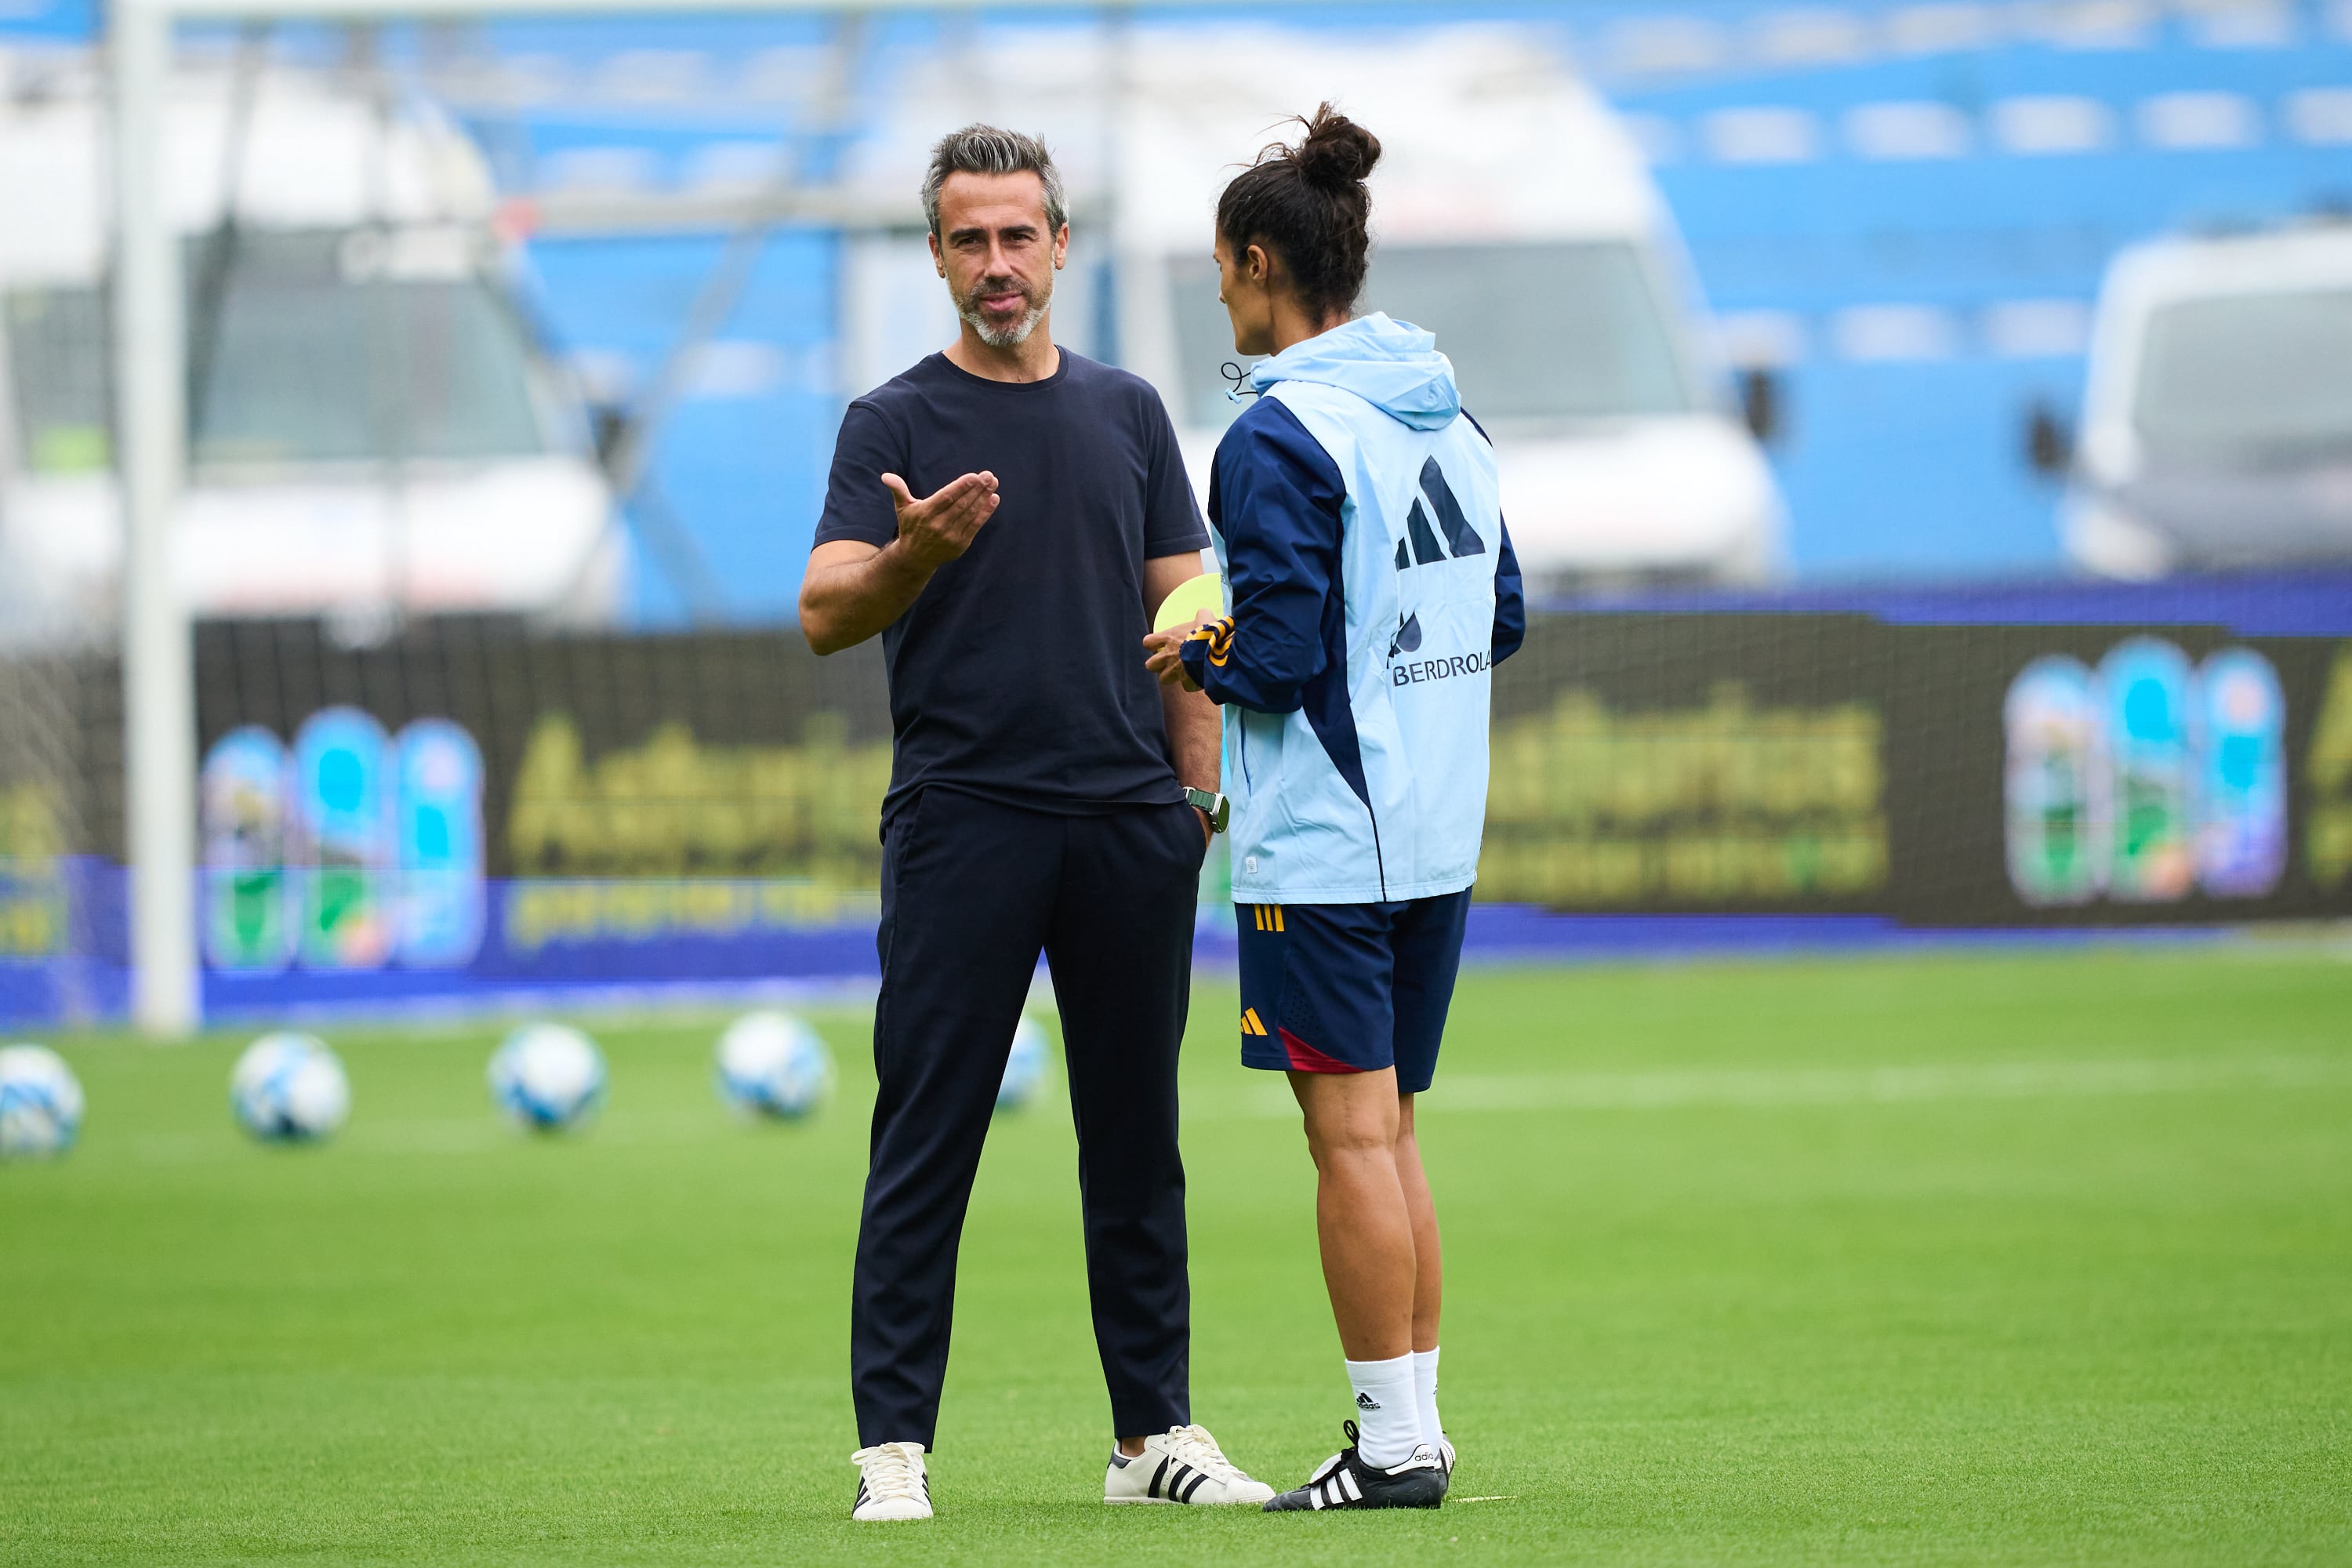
(1210, 804)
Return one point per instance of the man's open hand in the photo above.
(936, 528)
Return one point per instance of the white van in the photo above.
(1515, 218)
(2217, 421)
(371, 431)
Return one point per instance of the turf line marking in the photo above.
(1505, 1497)
(1770, 1088)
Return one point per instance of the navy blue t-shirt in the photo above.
(1018, 673)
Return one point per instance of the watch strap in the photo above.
(1214, 807)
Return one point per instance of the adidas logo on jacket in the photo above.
(1371, 589)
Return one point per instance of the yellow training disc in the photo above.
(1188, 599)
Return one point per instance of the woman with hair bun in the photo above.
(1370, 590)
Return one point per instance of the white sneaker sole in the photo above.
(1175, 1502)
(890, 1512)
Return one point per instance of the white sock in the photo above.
(1425, 1395)
(1388, 1418)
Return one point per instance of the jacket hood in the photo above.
(1392, 366)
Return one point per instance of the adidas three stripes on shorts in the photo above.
(1350, 987)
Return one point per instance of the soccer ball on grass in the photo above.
(771, 1064)
(1025, 1068)
(287, 1088)
(41, 1103)
(548, 1077)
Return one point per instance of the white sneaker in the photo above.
(891, 1483)
(1183, 1466)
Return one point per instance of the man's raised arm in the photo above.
(853, 590)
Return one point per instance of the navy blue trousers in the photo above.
(971, 891)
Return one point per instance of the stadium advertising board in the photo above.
(470, 809)
(1939, 776)
(467, 809)
(2117, 775)
(1691, 762)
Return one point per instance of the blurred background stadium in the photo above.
(514, 348)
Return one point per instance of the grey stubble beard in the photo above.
(1011, 337)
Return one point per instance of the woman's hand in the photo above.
(1161, 658)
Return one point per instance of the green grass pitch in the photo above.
(1968, 1258)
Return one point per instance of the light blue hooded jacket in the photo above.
(1369, 591)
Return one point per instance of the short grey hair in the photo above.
(992, 149)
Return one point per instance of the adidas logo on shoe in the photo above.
(1345, 1480)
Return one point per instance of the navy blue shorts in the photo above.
(1350, 987)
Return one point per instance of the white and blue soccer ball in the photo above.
(1025, 1068)
(287, 1088)
(548, 1077)
(771, 1064)
(40, 1104)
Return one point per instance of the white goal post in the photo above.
(150, 368)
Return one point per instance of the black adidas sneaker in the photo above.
(1344, 1480)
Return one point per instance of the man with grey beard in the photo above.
(1046, 794)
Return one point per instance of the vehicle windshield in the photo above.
(297, 369)
(2247, 378)
(1546, 330)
